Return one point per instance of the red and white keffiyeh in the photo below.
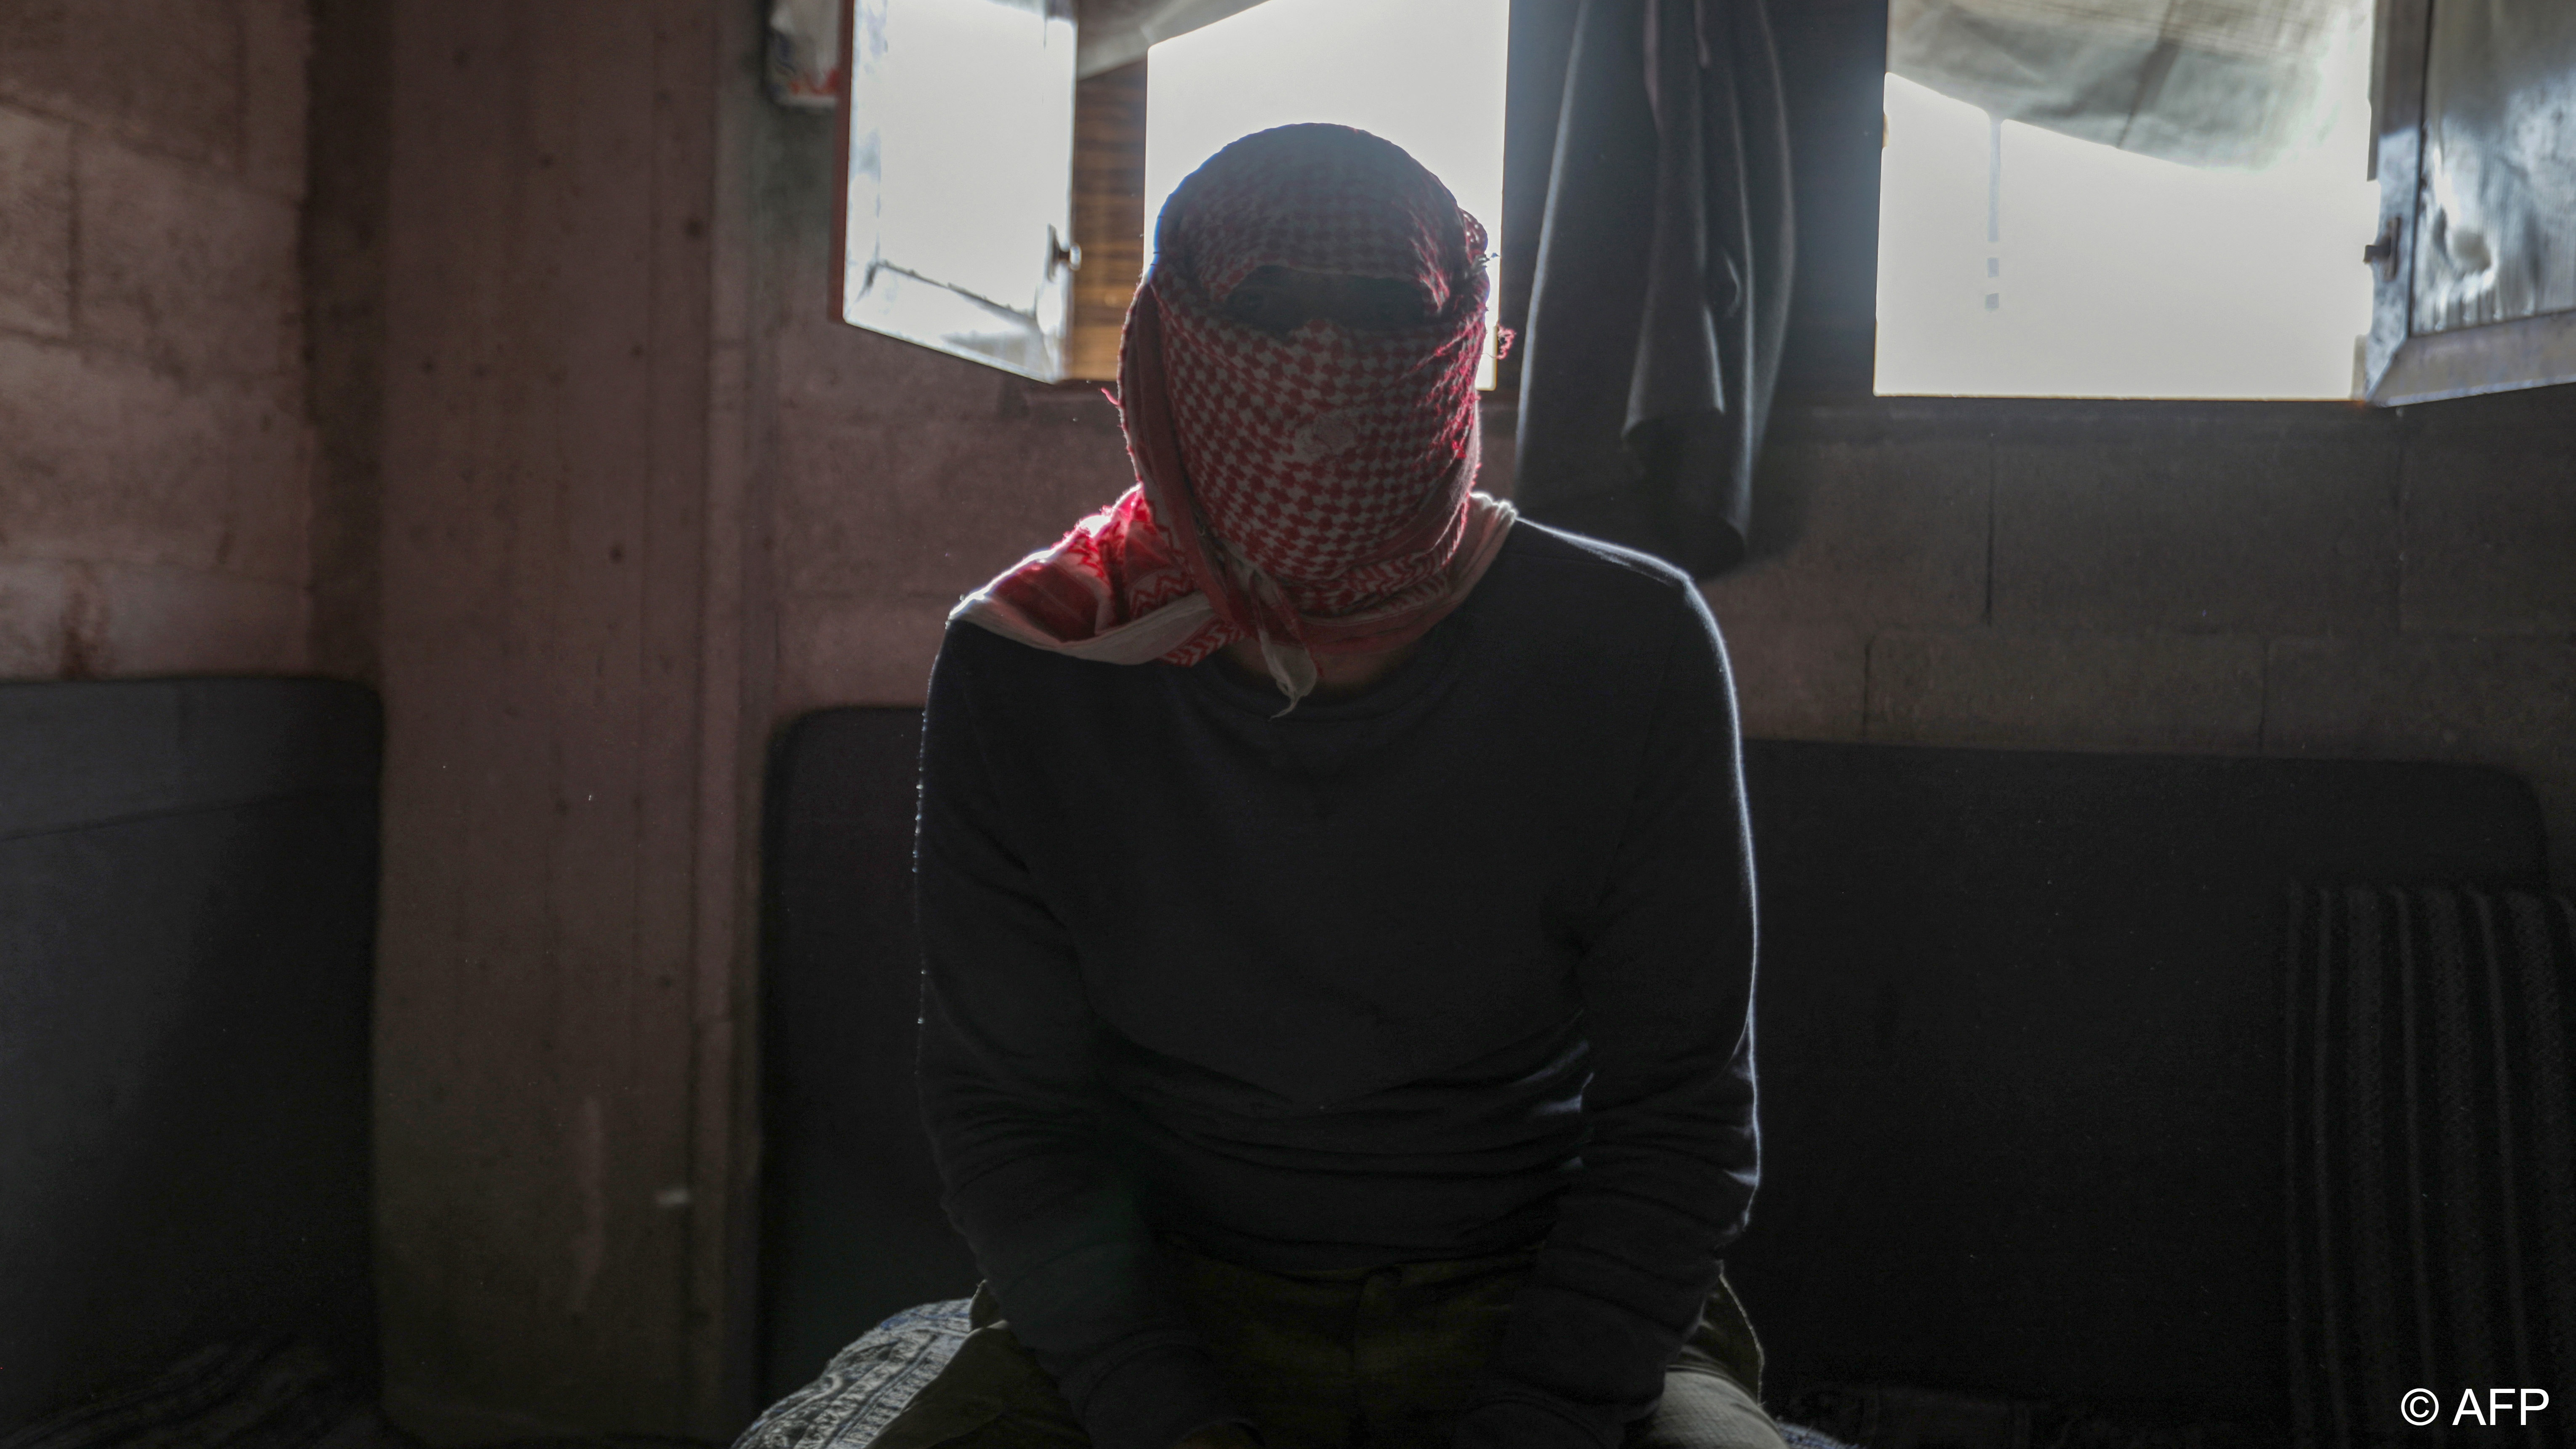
(1313, 492)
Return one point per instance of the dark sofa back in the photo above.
(187, 889)
(851, 1228)
(2020, 1042)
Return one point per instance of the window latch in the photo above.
(2382, 254)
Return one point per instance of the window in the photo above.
(2130, 198)
(957, 215)
(2198, 248)
(2135, 198)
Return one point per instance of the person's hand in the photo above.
(1222, 1436)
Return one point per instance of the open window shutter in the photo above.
(2477, 170)
(957, 228)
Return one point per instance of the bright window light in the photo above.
(1363, 63)
(2017, 262)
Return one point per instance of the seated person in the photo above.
(1335, 897)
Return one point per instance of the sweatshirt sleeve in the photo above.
(1007, 1094)
(1670, 1158)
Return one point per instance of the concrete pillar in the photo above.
(568, 791)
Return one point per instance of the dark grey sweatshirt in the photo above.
(1457, 965)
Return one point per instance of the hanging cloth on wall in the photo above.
(2202, 82)
(1661, 293)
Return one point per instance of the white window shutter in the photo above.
(2477, 174)
(958, 224)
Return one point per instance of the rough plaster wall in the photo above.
(153, 454)
(2280, 579)
(569, 797)
(344, 325)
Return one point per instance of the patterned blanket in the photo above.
(869, 1382)
(866, 1384)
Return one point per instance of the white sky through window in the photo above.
(1425, 74)
(2101, 273)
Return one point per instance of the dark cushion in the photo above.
(851, 1230)
(187, 898)
(2021, 1045)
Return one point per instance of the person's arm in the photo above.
(1669, 1164)
(1008, 1095)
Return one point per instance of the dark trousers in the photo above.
(1364, 1358)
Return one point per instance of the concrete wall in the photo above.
(347, 175)
(154, 457)
(2239, 579)
(570, 798)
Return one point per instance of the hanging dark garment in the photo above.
(1662, 288)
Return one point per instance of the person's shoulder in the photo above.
(966, 650)
(979, 649)
(1580, 561)
(1004, 675)
(1581, 574)
(974, 660)
(966, 642)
